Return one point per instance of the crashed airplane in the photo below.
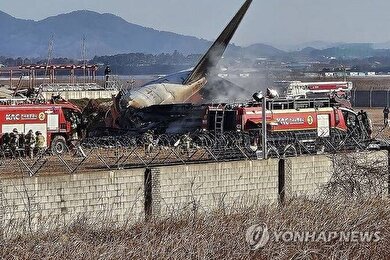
(179, 87)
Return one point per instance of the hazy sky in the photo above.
(268, 21)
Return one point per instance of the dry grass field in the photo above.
(220, 235)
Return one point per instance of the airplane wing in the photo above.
(214, 54)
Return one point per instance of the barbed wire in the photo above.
(146, 150)
(356, 176)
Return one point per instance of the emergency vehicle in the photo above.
(318, 89)
(55, 120)
(297, 122)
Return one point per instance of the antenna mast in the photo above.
(49, 54)
(84, 57)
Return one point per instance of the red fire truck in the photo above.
(55, 120)
(291, 122)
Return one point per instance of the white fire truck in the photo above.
(318, 89)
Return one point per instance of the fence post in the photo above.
(388, 171)
(264, 128)
(282, 181)
(148, 199)
(152, 196)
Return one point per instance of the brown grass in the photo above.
(219, 235)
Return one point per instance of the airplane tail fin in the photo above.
(215, 52)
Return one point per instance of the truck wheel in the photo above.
(58, 145)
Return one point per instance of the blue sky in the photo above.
(272, 21)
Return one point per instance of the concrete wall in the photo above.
(132, 194)
(306, 174)
(214, 185)
(41, 202)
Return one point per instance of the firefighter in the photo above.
(107, 73)
(186, 143)
(5, 141)
(148, 141)
(359, 118)
(14, 141)
(29, 143)
(22, 141)
(386, 116)
(75, 123)
(39, 142)
(74, 126)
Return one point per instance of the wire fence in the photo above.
(147, 150)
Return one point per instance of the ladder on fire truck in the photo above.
(219, 115)
(218, 124)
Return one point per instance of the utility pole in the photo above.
(264, 127)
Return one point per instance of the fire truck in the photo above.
(56, 120)
(318, 89)
(292, 123)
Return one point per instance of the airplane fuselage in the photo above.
(166, 90)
